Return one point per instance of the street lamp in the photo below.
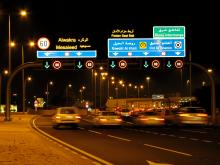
(67, 87)
(28, 79)
(210, 70)
(81, 92)
(47, 92)
(23, 13)
(96, 74)
(4, 72)
(148, 85)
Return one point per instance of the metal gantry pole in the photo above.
(23, 81)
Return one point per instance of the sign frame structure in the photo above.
(168, 30)
(46, 54)
(158, 51)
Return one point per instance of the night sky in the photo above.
(97, 20)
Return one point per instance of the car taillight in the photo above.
(143, 118)
(184, 114)
(103, 119)
(202, 115)
(118, 119)
(78, 117)
(161, 119)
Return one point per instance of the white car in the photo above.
(66, 116)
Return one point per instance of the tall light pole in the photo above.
(23, 13)
(148, 85)
(67, 87)
(95, 74)
(31, 44)
(4, 72)
(24, 92)
(81, 92)
(47, 92)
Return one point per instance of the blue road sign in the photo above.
(67, 54)
(146, 47)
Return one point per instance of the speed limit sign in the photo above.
(43, 43)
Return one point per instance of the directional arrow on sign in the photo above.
(78, 53)
(47, 65)
(146, 53)
(169, 64)
(178, 53)
(115, 53)
(113, 64)
(48, 53)
(79, 65)
(145, 64)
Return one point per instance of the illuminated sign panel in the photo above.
(65, 47)
(67, 54)
(169, 31)
(146, 48)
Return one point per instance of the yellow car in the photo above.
(66, 116)
(107, 118)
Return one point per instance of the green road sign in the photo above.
(169, 31)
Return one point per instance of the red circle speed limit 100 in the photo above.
(43, 43)
(155, 64)
(89, 64)
(122, 64)
(179, 64)
(57, 65)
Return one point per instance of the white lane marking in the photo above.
(193, 139)
(155, 163)
(166, 149)
(116, 137)
(182, 137)
(72, 147)
(207, 141)
(163, 134)
(172, 135)
(155, 133)
(96, 163)
(185, 130)
(95, 132)
(81, 128)
(83, 157)
(129, 122)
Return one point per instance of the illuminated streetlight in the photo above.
(23, 13)
(28, 79)
(112, 78)
(130, 85)
(69, 85)
(96, 74)
(210, 70)
(101, 68)
(31, 44)
(141, 86)
(6, 72)
(148, 85)
(121, 82)
(47, 92)
(12, 44)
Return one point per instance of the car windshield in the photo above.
(149, 113)
(124, 110)
(67, 111)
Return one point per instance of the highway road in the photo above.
(131, 145)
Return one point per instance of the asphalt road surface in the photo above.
(142, 145)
